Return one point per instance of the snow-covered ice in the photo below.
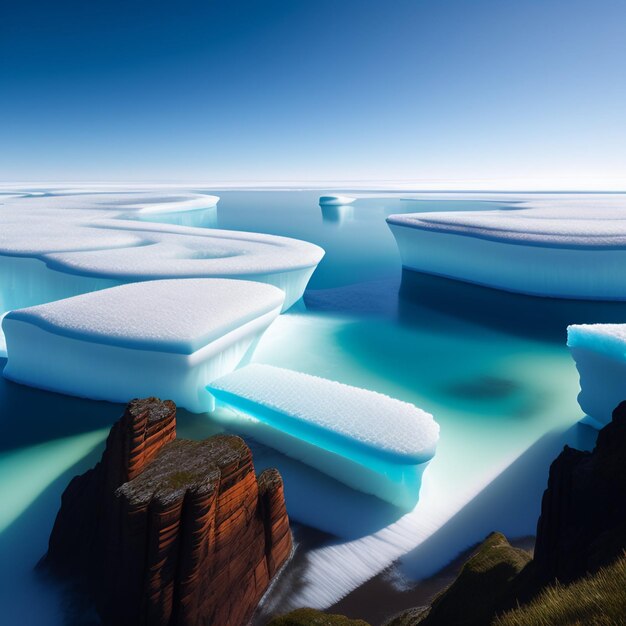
(189, 202)
(336, 200)
(600, 354)
(365, 439)
(559, 245)
(160, 337)
(101, 236)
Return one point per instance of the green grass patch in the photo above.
(596, 600)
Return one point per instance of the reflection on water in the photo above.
(543, 319)
(337, 214)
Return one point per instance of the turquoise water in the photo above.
(492, 368)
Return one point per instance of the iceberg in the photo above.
(563, 247)
(368, 441)
(599, 351)
(105, 237)
(159, 337)
(335, 200)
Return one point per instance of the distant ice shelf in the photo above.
(189, 202)
(336, 200)
(364, 439)
(161, 337)
(600, 354)
(556, 246)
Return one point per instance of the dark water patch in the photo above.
(543, 319)
(378, 298)
(484, 388)
(30, 416)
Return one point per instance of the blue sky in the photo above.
(440, 93)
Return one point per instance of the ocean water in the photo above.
(491, 367)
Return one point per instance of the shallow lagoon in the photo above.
(492, 368)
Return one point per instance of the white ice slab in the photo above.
(96, 235)
(367, 440)
(165, 337)
(559, 246)
(600, 354)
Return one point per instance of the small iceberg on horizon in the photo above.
(163, 338)
(368, 441)
(336, 200)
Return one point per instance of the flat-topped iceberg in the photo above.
(600, 354)
(161, 337)
(365, 439)
(97, 236)
(336, 200)
(563, 247)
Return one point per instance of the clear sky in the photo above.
(443, 93)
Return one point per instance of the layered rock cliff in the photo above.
(583, 513)
(171, 532)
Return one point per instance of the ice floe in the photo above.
(162, 337)
(600, 354)
(558, 246)
(365, 439)
(102, 236)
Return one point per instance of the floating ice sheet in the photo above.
(367, 440)
(96, 235)
(600, 354)
(162, 337)
(559, 246)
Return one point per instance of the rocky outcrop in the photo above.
(171, 532)
(583, 513)
(482, 588)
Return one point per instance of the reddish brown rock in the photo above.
(171, 532)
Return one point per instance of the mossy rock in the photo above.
(312, 617)
(482, 588)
